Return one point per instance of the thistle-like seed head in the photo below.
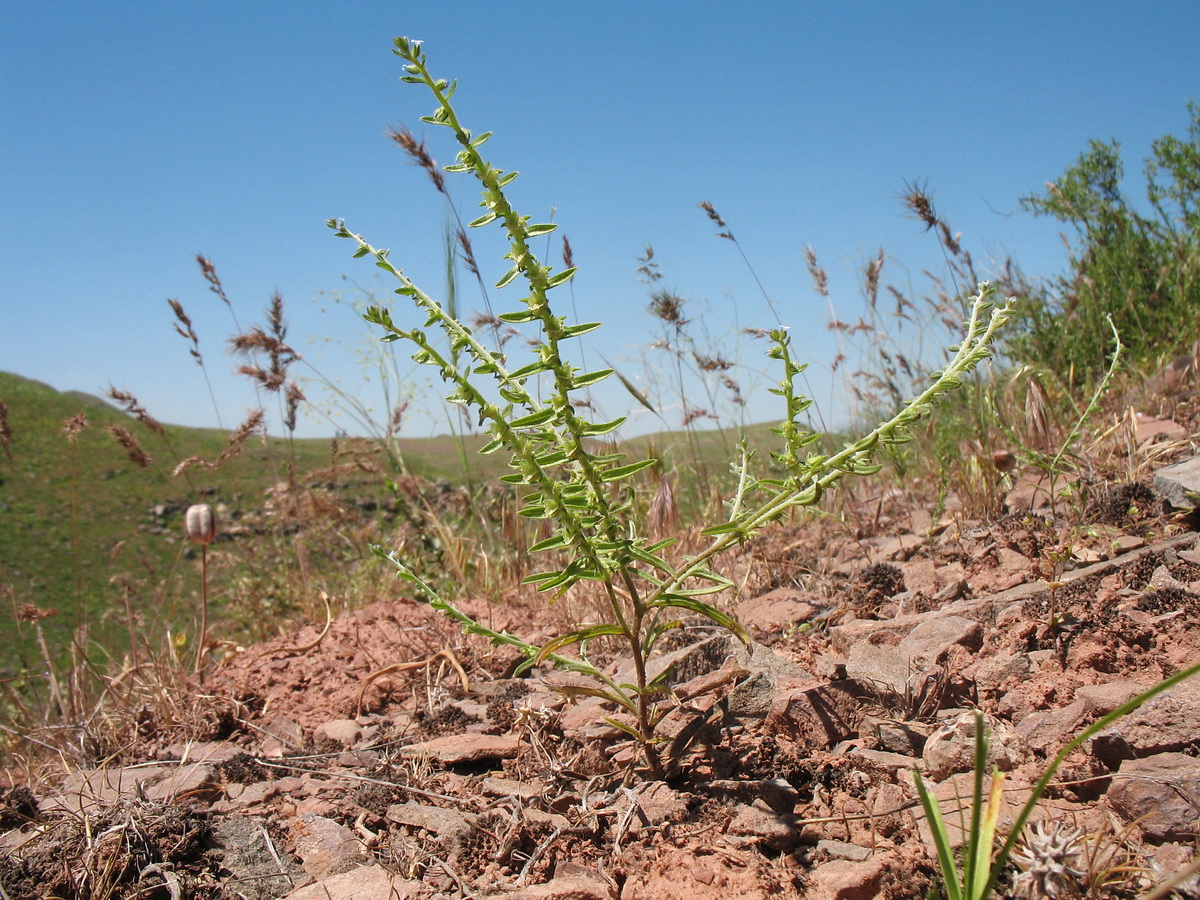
(199, 524)
(1048, 862)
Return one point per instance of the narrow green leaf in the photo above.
(726, 621)
(727, 528)
(582, 381)
(538, 230)
(508, 278)
(575, 637)
(551, 543)
(517, 318)
(486, 219)
(620, 472)
(597, 429)
(538, 418)
(560, 278)
(583, 328)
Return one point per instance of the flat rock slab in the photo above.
(454, 749)
(364, 883)
(844, 879)
(1167, 723)
(895, 669)
(87, 792)
(1179, 484)
(1162, 794)
(324, 846)
(816, 717)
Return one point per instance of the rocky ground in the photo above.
(386, 755)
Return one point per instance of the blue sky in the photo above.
(138, 134)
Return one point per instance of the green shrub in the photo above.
(1144, 270)
(571, 482)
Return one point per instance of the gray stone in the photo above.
(1168, 722)
(568, 887)
(453, 749)
(901, 670)
(993, 673)
(843, 850)
(364, 883)
(87, 792)
(1162, 794)
(1179, 484)
(765, 826)
(907, 738)
(324, 846)
(339, 734)
(843, 879)
(438, 821)
(951, 748)
(816, 717)
(769, 674)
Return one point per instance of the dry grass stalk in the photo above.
(74, 426)
(5, 431)
(420, 155)
(183, 327)
(209, 271)
(716, 218)
(133, 449)
(135, 409)
(233, 446)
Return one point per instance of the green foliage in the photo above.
(980, 868)
(583, 493)
(1142, 269)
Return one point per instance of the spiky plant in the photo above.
(583, 492)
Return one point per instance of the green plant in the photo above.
(1142, 269)
(981, 863)
(581, 490)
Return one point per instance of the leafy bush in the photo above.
(1144, 270)
(571, 481)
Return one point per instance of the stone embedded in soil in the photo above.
(842, 850)
(779, 610)
(995, 672)
(1162, 794)
(658, 804)
(455, 749)
(324, 846)
(251, 859)
(764, 825)
(951, 748)
(568, 887)
(437, 820)
(843, 879)
(769, 674)
(211, 752)
(1166, 723)
(337, 734)
(816, 717)
(1179, 484)
(907, 738)
(901, 670)
(88, 792)
(360, 884)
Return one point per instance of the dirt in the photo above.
(384, 747)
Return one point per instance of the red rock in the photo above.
(844, 879)
(461, 748)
